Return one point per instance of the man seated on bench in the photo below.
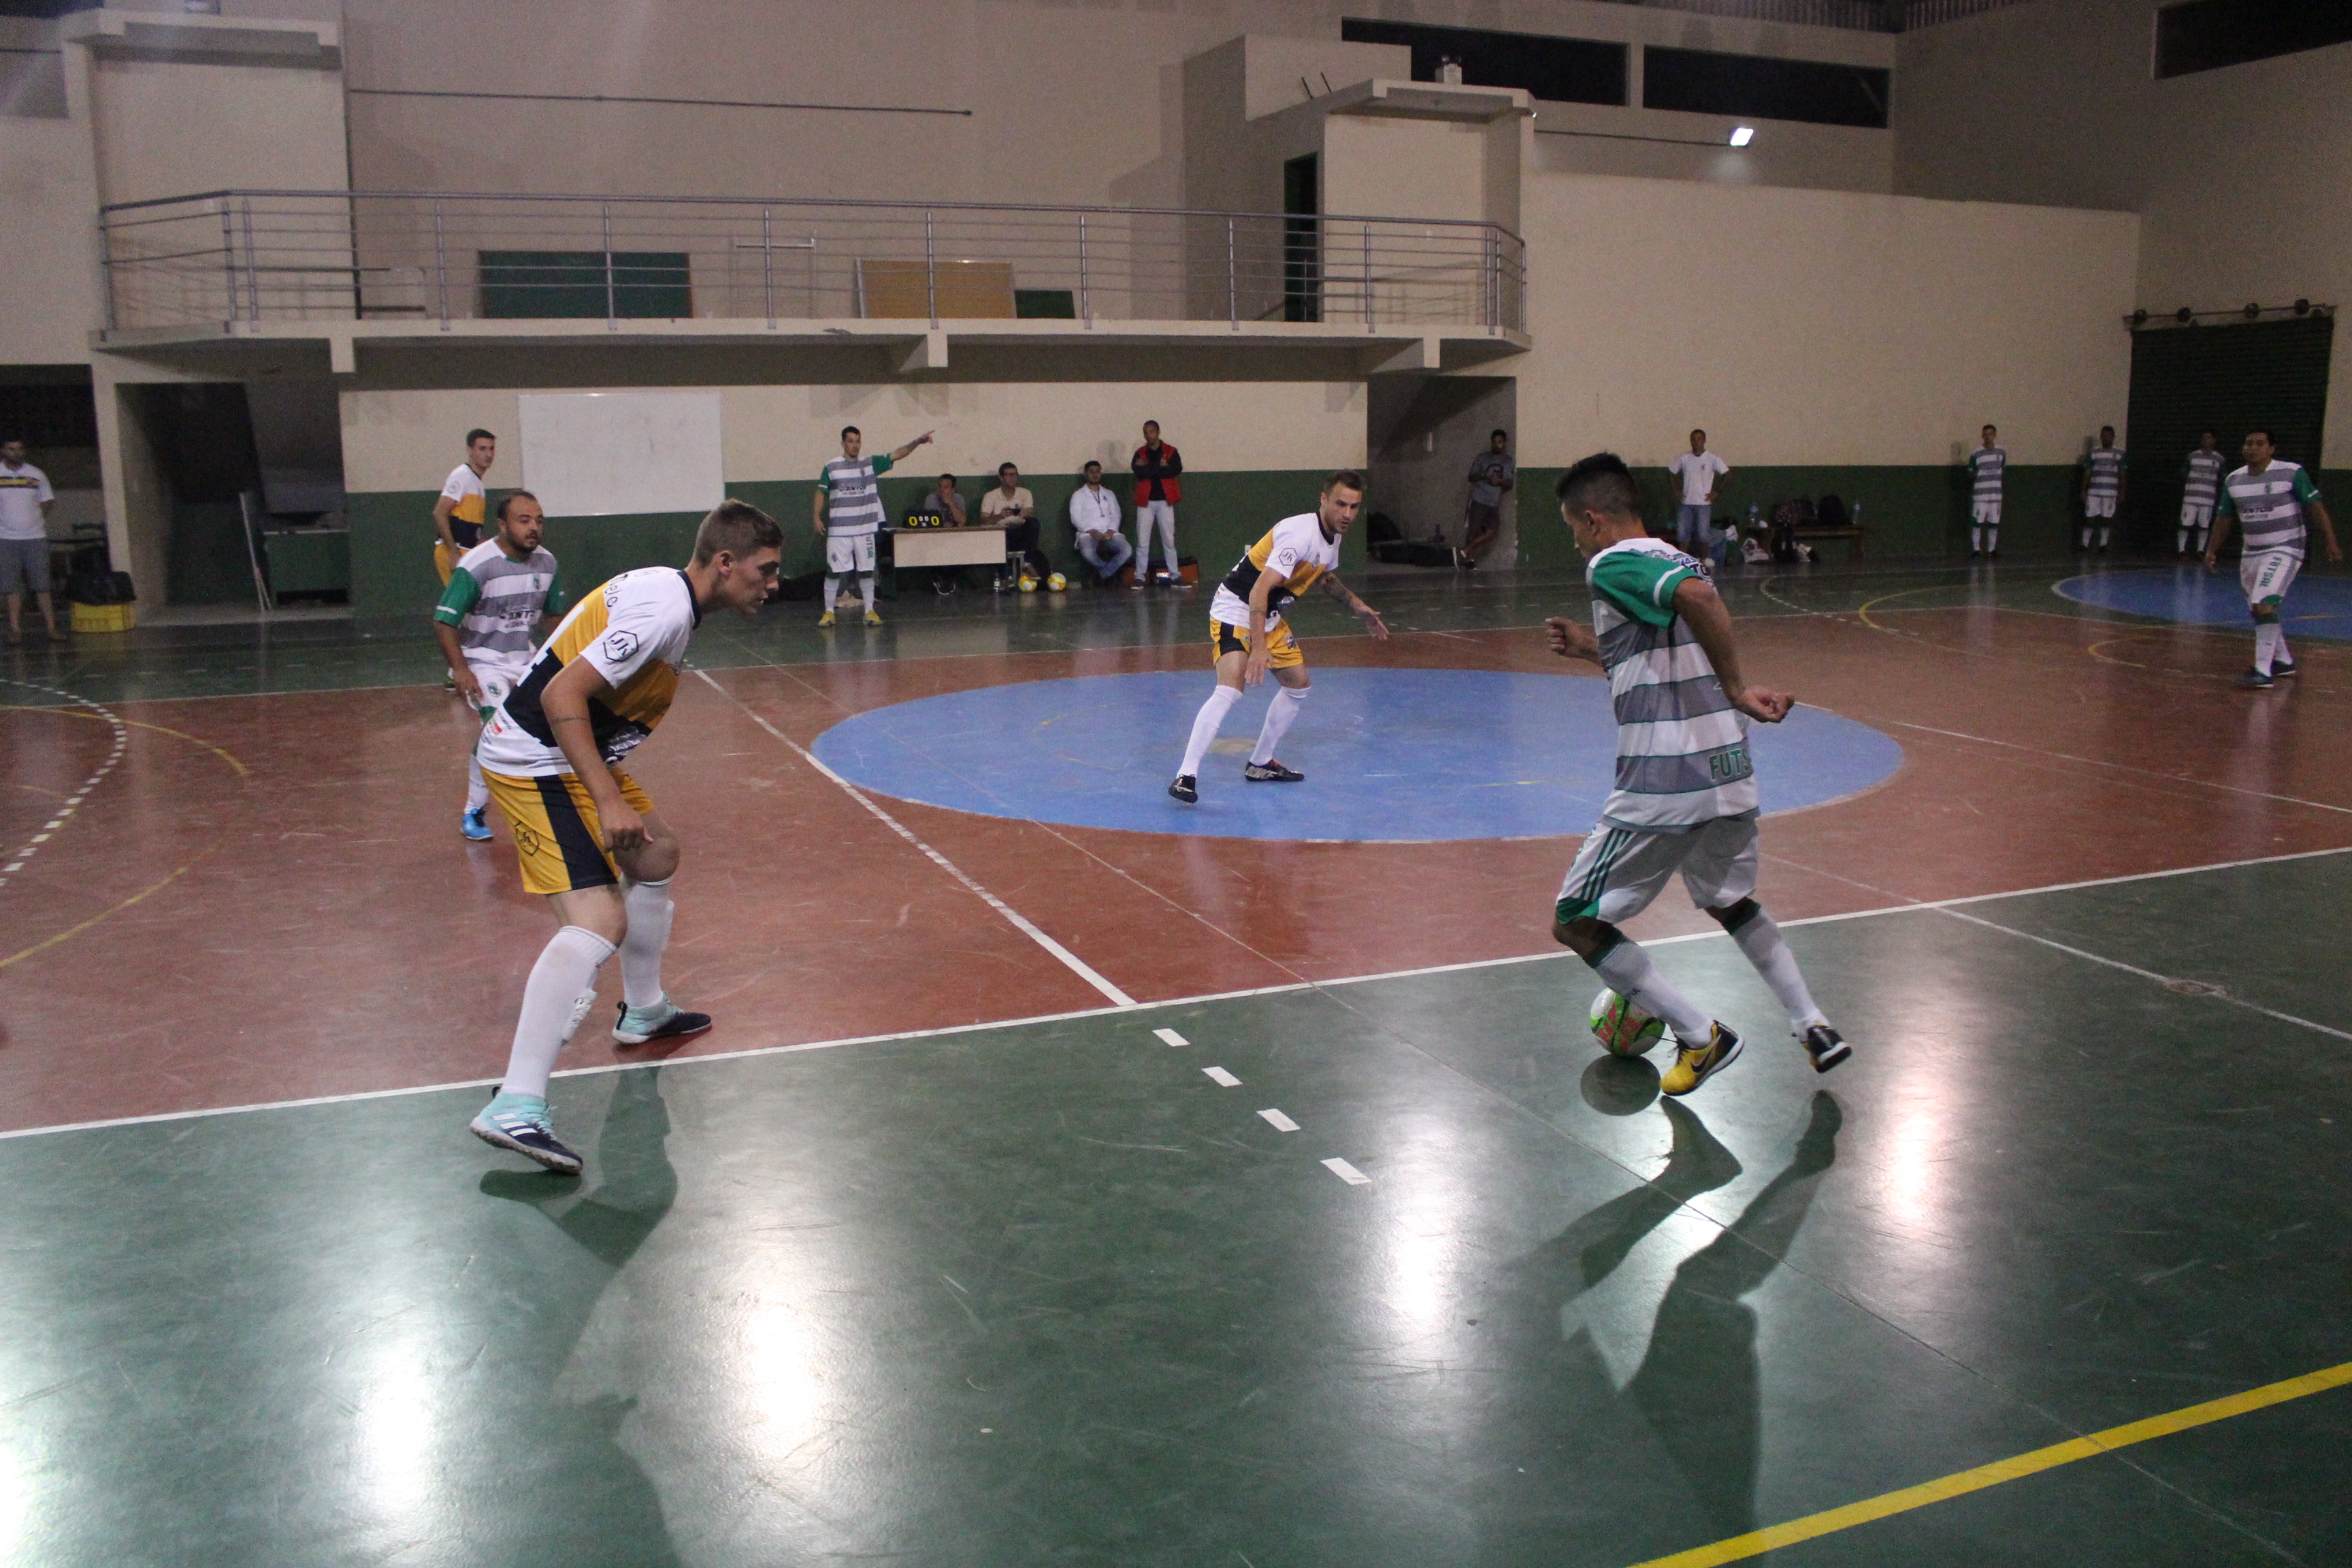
(1012, 505)
(1094, 521)
(946, 503)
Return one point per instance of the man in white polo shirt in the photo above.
(1699, 470)
(25, 501)
(1094, 521)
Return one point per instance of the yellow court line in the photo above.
(243, 772)
(1774, 1537)
(1870, 605)
(69, 931)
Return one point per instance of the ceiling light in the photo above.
(1742, 135)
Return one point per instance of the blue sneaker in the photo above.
(474, 825)
(664, 1021)
(518, 1123)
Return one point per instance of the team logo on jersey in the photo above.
(619, 645)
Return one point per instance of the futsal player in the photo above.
(1685, 789)
(1249, 635)
(2274, 499)
(1987, 465)
(2103, 490)
(2201, 486)
(458, 513)
(589, 838)
(846, 511)
(496, 596)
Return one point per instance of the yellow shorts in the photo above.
(1281, 651)
(556, 834)
(445, 561)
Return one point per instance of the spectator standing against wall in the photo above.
(847, 512)
(2103, 490)
(1094, 523)
(2201, 485)
(1157, 488)
(26, 498)
(1987, 466)
(1700, 471)
(1011, 503)
(1492, 476)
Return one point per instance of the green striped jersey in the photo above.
(1682, 748)
(1986, 465)
(495, 601)
(2202, 477)
(2269, 505)
(2106, 467)
(852, 501)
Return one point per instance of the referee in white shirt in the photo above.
(1095, 518)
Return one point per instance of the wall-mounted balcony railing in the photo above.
(248, 259)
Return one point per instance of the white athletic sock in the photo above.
(1993, 539)
(832, 593)
(1630, 973)
(2200, 542)
(1761, 941)
(478, 789)
(865, 590)
(2103, 536)
(1976, 538)
(2267, 638)
(2083, 538)
(649, 910)
(556, 997)
(2180, 542)
(1205, 724)
(2279, 655)
(1279, 717)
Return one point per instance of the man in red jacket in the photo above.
(1157, 491)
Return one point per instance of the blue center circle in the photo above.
(1390, 755)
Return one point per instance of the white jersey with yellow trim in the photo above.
(635, 630)
(1297, 547)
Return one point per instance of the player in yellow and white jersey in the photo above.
(588, 837)
(1247, 631)
(458, 510)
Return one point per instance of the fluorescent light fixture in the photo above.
(1741, 135)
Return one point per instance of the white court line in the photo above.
(1172, 1037)
(1196, 1001)
(1222, 1079)
(16, 862)
(1346, 1173)
(1076, 965)
(1278, 1122)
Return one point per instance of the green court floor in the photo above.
(1049, 1293)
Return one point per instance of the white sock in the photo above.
(1761, 940)
(2103, 536)
(865, 590)
(2082, 539)
(1630, 973)
(649, 910)
(556, 997)
(1279, 717)
(477, 790)
(1976, 539)
(1993, 539)
(2180, 542)
(1205, 724)
(2200, 542)
(2267, 638)
(832, 593)
(2279, 655)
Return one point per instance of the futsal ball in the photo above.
(1028, 584)
(1058, 582)
(1622, 1028)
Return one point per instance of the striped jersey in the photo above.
(464, 487)
(2201, 479)
(2269, 505)
(1985, 466)
(495, 601)
(634, 629)
(1297, 547)
(1682, 747)
(852, 501)
(2106, 470)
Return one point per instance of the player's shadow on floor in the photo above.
(555, 1486)
(1583, 1453)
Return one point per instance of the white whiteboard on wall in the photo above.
(596, 454)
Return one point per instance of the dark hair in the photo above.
(1344, 480)
(506, 500)
(1506, 435)
(1151, 425)
(2106, 430)
(1697, 432)
(1991, 426)
(950, 477)
(1090, 464)
(1599, 483)
(849, 430)
(2263, 431)
(737, 527)
(479, 435)
(1001, 467)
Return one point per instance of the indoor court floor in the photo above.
(1067, 1181)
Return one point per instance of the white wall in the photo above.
(1816, 326)
(170, 127)
(48, 281)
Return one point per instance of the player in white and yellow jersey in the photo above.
(1247, 631)
(588, 837)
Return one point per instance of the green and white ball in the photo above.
(1622, 1028)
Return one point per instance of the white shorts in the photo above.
(1987, 512)
(1620, 871)
(2195, 514)
(2098, 506)
(2267, 574)
(498, 673)
(852, 554)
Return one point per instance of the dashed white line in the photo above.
(1222, 1079)
(1171, 1036)
(1346, 1173)
(1278, 1122)
(30, 847)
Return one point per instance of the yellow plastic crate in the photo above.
(103, 618)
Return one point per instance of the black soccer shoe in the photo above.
(1271, 773)
(1186, 788)
(2281, 669)
(1826, 1047)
